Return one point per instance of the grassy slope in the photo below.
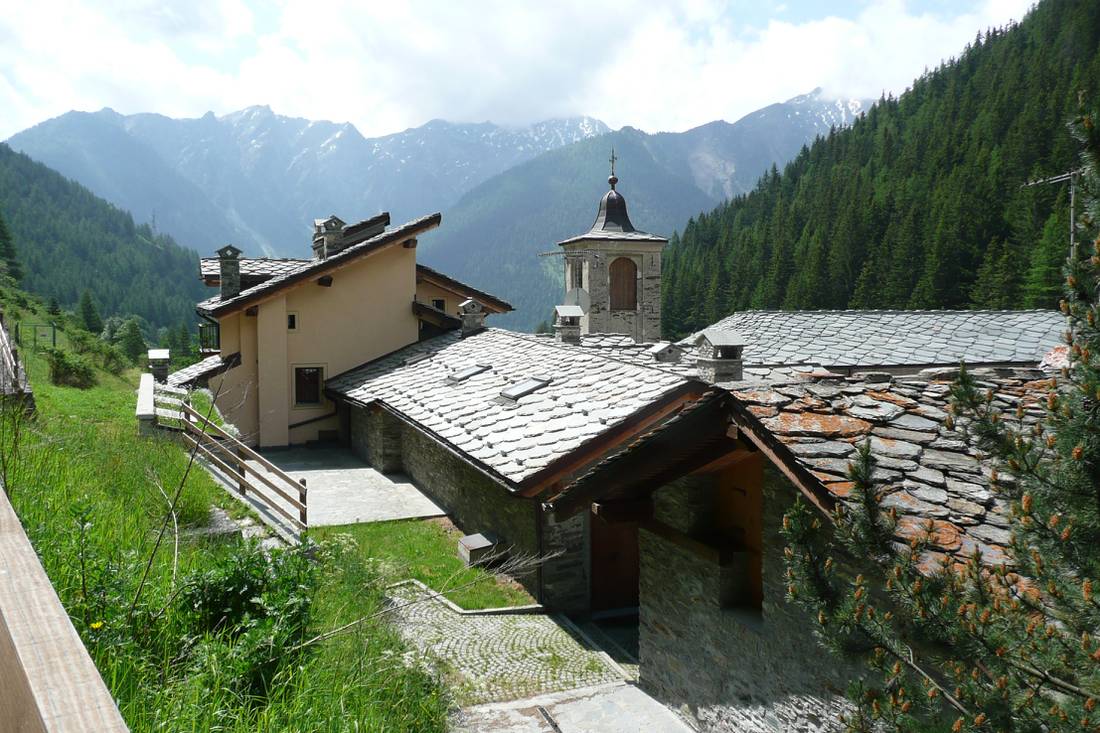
(427, 551)
(83, 486)
(84, 478)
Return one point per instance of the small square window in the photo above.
(439, 304)
(292, 321)
(307, 385)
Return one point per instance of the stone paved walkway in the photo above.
(498, 657)
(615, 708)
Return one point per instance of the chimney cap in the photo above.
(470, 306)
(569, 311)
(720, 337)
(228, 251)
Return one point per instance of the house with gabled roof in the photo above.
(278, 328)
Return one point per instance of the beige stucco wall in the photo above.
(364, 314)
(237, 391)
(426, 292)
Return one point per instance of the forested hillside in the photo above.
(921, 203)
(68, 240)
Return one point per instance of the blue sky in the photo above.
(653, 64)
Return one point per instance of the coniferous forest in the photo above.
(920, 204)
(68, 241)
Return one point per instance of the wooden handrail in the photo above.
(244, 467)
(271, 467)
(209, 455)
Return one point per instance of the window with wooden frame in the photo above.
(439, 304)
(292, 321)
(308, 382)
(624, 284)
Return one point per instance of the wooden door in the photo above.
(614, 564)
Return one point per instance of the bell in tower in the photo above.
(613, 271)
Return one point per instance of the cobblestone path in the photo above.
(492, 658)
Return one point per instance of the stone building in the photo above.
(614, 272)
(278, 328)
(648, 477)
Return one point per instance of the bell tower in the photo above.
(613, 272)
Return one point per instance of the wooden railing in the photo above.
(13, 376)
(232, 457)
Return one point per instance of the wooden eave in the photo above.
(434, 316)
(602, 445)
(491, 303)
(339, 261)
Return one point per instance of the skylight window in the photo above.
(461, 375)
(524, 388)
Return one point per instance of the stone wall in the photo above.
(376, 438)
(565, 576)
(730, 669)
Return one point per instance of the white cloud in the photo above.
(386, 66)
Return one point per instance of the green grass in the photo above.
(84, 484)
(427, 551)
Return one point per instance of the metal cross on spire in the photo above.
(612, 159)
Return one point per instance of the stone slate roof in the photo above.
(252, 266)
(928, 472)
(200, 370)
(868, 339)
(316, 268)
(589, 394)
(625, 348)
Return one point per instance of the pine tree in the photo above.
(54, 308)
(131, 341)
(89, 314)
(989, 647)
(183, 341)
(8, 254)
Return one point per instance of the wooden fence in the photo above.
(255, 475)
(13, 375)
(259, 482)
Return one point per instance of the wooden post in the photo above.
(241, 481)
(302, 499)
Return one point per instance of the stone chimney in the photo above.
(718, 355)
(328, 237)
(158, 364)
(473, 317)
(567, 324)
(229, 264)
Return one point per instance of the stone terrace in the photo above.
(930, 472)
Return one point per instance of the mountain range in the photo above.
(258, 179)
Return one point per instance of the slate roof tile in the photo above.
(589, 393)
(928, 474)
(894, 338)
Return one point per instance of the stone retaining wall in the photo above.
(730, 669)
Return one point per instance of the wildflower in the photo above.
(96, 625)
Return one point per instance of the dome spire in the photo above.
(612, 180)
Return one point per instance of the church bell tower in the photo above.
(613, 272)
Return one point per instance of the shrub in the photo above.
(255, 607)
(113, 360)
(70, 370)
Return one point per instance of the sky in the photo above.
(386, 66)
